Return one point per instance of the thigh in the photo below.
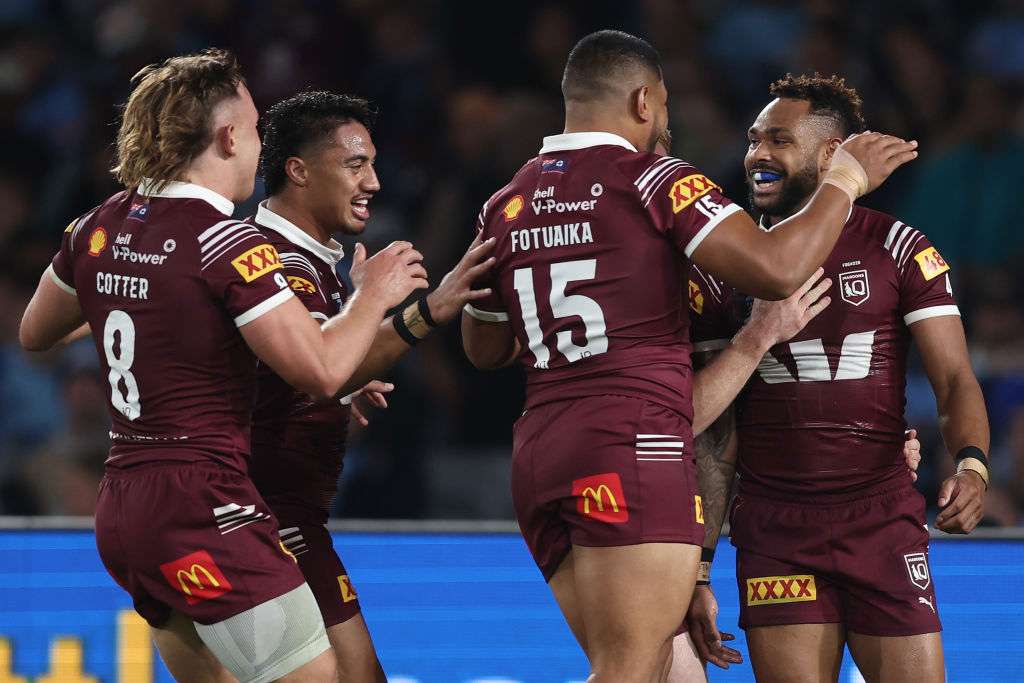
(899, 659)
(796, 653)
(185, 654)
(313, 548)
(603, 471)
(353, 648)
(632, 599)
(687, 666)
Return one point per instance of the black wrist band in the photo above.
(971, 452)
(707, 554)
(398, 321)
(425, 312)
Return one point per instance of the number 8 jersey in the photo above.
(165, 279)
(823, 413)
(592, 247)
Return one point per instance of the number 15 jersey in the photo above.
(592, 246)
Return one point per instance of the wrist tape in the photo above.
(847, 174)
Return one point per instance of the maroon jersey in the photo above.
(165, 279)
(593, 240)
(824, 411)
(297, 444)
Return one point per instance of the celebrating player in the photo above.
(179, 297)
(594, 238)
(318, 168)
(831, 535)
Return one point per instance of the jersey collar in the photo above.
(179, 190)
(329, 253)
(570, 141)
(768, 228)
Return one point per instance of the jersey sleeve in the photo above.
(242, 269)
(682, 202)
(708, 328)
(925, 287)
(304, 281)
(60, 269)
(491, 308)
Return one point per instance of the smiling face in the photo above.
(342, 179)
(789, 150)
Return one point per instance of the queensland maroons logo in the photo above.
(853, 287)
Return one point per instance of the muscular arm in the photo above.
(488, 345)
(716, 466)
(962, 416)
(771, 265)
(51, 317)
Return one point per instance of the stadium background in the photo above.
(465, 91)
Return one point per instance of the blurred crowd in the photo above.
(465, 92)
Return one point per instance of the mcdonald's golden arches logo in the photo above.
(600, 498)
(196, 576)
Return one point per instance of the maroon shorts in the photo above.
(193, 537)
(603, 471)
(860, 560)
(313, 548)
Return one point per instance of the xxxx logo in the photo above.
(348, 593)
(696, 298)
(685, 191)
(767, 590)
(301, 284)
(257, 261)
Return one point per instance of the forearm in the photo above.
(385, 351)
(716, 467)
(962, 416)
(348, 338)
(716, 385)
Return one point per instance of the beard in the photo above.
(794, 190)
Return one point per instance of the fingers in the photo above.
(910, 434)
(376, 385)
(806, 286)
(359, 254)
(358, 414)
(967, 505)
(946, 491)
(377, 399)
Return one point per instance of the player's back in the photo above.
(591, 253)
(164, 285)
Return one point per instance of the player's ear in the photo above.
(828, 151)
(224, 141)
(295, 169)
(639, 103)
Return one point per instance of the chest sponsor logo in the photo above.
(97, 242)
(257, 261)
(301, 284)
(776, 590)
(853, 286)
(122, 251)
(554, 166)
(698, 505)
(685, 191)
(600, 498)
(514, 206)
(917, 569)
(696, 298)
(812, 364)
(348, 592)
(932, 265)
(197, 577)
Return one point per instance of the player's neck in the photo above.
(603, 124)
(298, 215)
(215, 175)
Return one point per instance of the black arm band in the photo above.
(398, 320)
(707, 554)
(425, 312)
(971, 452)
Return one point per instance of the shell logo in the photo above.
(514, 206)
(97, 241)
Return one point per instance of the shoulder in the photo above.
(899, 240)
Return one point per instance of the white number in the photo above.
(127, 403)
(812, 363)
(562, 306)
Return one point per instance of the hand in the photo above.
(962, 503)
(455, 290)
(777, 321)
(912, 452)
(879, 154)
(391, 275)
(374, 393)
(705, 634)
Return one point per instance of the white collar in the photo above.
(179, 190)
(329, 253)
(568, 141)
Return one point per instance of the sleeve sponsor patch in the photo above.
(931, 263)
(301, 284)
(514, 206)
(696, 298)
(686, 190)
(257, 261)
(71, 225)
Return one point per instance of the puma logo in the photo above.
(926, 601)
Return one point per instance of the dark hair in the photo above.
(166, 123)
(293, 126)
(828, 97)
(598, 62)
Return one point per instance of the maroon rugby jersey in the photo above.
(297, 444)
(165, 285)
(824, 411)
(593, 241)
